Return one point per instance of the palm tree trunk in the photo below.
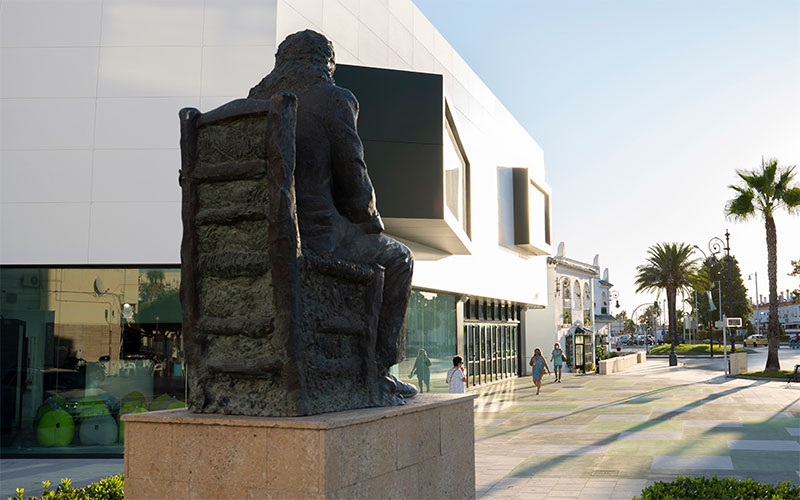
(673, 324)
(772, 275)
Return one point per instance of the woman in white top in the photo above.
(455, 376)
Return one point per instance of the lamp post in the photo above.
(714, 247)
(758, 312)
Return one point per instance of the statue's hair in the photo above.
(304, 59)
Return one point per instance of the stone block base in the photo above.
(425, 449)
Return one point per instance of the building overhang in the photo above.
(411, 144)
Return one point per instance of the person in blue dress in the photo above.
(539, 366)
(558, 359)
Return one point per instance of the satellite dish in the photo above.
(99, 289)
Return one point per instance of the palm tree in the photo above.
(671, 267)
(763, 192)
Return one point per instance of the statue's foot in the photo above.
(390, 384)
(406, 390)
(389, 395)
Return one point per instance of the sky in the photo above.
(645, 109)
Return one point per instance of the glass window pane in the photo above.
(80, 348)
(431, 341)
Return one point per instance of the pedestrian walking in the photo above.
(539, 367)
(558, 360)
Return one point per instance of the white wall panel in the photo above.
(394, 61)
(403, 10)
(135, 233)
(351, 5)
(140, 123)
(423, 59)
(313, 10)
(47, 72)
(149, 71)
(234, 70)
(44, 233)
(401, 40)
(240, 22)
(341, 26)
(375, 16)
(45, 175)
(140, 175)
(372, 51)
(209, 103)
(46, 123)
(423, 30)
(60, 23)
(152, 22)
(291, 21)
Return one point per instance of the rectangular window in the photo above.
(431, 341)
(80, 348)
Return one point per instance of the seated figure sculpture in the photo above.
(293, 301)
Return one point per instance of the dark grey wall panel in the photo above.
(407, 180)
(401, 123)
(397, 106)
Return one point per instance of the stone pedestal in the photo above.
(425, 449)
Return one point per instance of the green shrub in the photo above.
(728, 488)
(110, 488)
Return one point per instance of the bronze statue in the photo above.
(293, 301)
(336, 209)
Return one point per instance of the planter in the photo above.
(621, 363)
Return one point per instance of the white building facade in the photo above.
(90, 205)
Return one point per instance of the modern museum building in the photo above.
(90, 206)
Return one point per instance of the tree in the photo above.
(795, 272)
(719, 272)
(762, 192)
(670, 267)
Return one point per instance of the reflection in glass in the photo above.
(455, 168)
(430, 341)
(82, 347)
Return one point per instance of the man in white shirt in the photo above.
(455, 377)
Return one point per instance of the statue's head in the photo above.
(304, 59)
(307, 48)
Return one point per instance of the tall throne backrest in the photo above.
(270, 329)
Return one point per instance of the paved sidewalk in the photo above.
(603, 437)
(591, 437)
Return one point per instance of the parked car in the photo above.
(756, 340)
(624, 339)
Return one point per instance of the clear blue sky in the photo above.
(644, 110)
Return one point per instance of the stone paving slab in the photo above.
(766, 445)
(610, 436)
(682, 463)
(651, 436)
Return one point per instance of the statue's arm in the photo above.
(353, 191)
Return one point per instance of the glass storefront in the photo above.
(80, 348)
(430, 341)
(491, 341)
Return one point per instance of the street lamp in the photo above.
(615, 296)
(714, 248)
(758, 312)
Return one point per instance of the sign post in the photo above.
(729, 322)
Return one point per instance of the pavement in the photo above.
(610, 436)
(591, 437)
